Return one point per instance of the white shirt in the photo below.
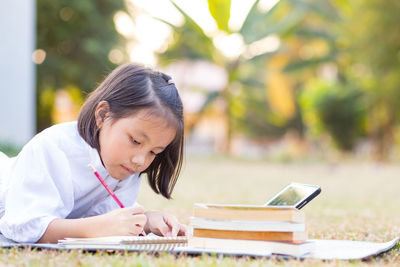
(50, 179)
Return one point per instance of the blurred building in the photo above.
(17, 71)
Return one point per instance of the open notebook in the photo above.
(322, 249)
(137, 243)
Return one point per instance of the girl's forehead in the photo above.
(162, 117)
(157, 118)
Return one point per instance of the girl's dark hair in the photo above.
(129, 89)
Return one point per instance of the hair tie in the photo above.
(170, 81)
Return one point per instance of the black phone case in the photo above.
(305, 201)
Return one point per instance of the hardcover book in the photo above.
(246, 225)
(248, 212)
(295, 249)
(252, 235)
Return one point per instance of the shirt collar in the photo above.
(95, 160)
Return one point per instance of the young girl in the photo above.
(131, 124)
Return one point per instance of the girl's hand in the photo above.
(124, 221)
(164, 224)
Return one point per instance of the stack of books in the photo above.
(248, 228)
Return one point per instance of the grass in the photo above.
(359, 201)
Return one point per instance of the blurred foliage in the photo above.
(220, 10)
(338, 60)
(348, 50)
(336, 109)
(9, 149)
(77, 37)
(373, 61)
(190, 41)
(259, 97)
(362, 45)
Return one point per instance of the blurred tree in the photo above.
(259, 97)
(329, 102)
(373, 35)
(364, 45)
(336, 109)
(76, 37)
(353, 46)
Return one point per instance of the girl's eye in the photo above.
(153, 153)
(135, 142)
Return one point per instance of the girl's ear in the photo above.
(101, 113)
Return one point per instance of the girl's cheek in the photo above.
(147, 164)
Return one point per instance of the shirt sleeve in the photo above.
(127, 192)
(40, 190)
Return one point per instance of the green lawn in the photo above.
(359, 201)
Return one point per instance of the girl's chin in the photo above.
(118, 175)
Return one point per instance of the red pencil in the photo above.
(109, 190)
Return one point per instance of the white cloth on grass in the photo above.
(50, 179)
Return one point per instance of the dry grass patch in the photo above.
(359, 201)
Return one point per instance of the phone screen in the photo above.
(294, 195)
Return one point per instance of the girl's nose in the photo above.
(138, 159)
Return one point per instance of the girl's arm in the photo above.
(126, 221)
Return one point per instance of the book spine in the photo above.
(252, 235)
(248, 214)
(246, 225)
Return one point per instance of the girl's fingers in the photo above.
(139, 219)
(175, 229)
(173, 224)
(183, 230)
(137, 209)
(137, 230)
(164, 229)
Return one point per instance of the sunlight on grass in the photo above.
(359, 201)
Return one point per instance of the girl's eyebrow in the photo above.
(143, 134)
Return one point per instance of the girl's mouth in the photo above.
(130, 171)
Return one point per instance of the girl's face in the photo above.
(129, 145)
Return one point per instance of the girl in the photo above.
(131, 124)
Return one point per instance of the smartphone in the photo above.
(295, 195)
